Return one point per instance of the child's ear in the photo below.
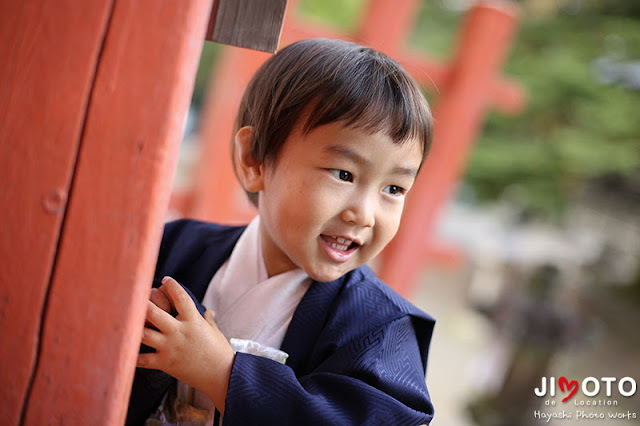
(250, 171)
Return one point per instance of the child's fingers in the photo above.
(152, 338)
(180, 299)
(159, 318)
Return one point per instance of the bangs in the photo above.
(374, 96)
(317, 82)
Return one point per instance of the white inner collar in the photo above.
(247, 303)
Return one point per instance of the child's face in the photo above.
(333, 199)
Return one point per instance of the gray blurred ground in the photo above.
(464, 348)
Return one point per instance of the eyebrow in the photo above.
(350, 154)
(405, 171)
(359, 159)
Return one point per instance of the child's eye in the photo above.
(342, 175)
(395, 190)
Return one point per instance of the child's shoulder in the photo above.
(366, 312)
(190, 236)
(191, 248)
(375, 300)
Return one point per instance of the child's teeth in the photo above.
(341, 240)
(339, 246)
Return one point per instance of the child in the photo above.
(329, 139)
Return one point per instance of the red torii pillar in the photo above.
(459, 113)
(92, 100)
(467, 87)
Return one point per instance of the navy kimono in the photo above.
(357, 350)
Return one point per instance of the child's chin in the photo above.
(326, 276)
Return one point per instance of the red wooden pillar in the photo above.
(387, 24)
(93, 97)
(217, 195)
(46, 73)
(486, 36)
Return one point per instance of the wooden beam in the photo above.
(254, 24)
(97, 299)
(46, 76)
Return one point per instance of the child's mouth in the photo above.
(338, 249)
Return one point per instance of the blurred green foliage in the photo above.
(575, 126)
(207, 62)
(341, 14)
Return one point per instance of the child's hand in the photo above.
(188, 347)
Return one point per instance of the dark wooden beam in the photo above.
(254, 24)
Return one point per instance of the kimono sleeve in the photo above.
(376, 379)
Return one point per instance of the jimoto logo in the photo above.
(593, 399)
(590, 386)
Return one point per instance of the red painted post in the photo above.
(486, 36)
(46, 73)
(217, 196)
(73, 291)
(387, 24)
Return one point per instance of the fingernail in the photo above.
(164, 280)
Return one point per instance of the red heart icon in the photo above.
(570, 385)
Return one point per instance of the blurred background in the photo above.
(545, 222)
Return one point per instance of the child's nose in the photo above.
(360, 211)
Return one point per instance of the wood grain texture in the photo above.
(120, 192)
(254, 24)
(46, 73)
